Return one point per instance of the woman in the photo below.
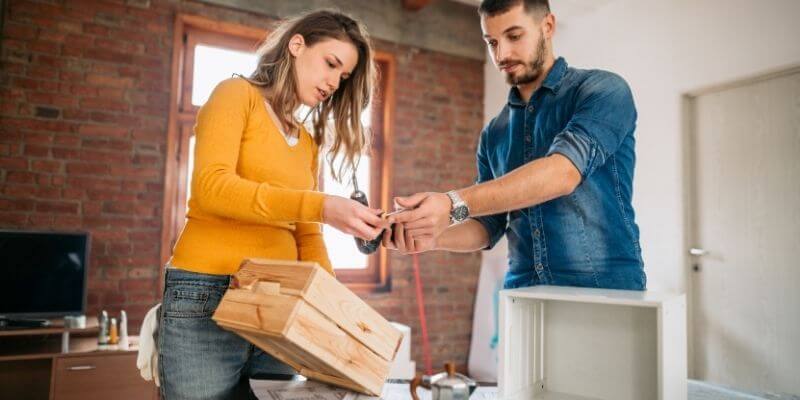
(254, 193)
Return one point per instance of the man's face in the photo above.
(516, 42)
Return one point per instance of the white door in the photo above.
(744, 226)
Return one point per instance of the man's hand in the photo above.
(399, 239)
(428, 215)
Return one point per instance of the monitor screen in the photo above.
(43, 273)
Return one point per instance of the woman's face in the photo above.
(321, 68)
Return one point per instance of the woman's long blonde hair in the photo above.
(276, 75)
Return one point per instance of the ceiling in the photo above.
(563, 9)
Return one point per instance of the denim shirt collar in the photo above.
(551, 82)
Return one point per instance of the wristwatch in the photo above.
(459, 211)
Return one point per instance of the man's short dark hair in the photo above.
(490, 8)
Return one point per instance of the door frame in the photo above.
(689, 148)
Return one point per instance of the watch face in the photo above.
(460, 213)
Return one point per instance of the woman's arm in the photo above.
(218, 189)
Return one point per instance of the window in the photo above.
(208, 52)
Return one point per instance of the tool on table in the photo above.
(447, 385)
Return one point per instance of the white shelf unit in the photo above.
(567, 343)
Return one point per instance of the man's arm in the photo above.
(463, 238)
(534, 183)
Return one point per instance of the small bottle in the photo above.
(113, 337)
(124, 344)
(102, 336)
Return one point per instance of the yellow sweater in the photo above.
(252, 195)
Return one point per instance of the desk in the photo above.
(392, 390)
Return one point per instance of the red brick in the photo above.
(13, 219)
(95, 29)
(72, 194)
(14, 163)
(68, 141)
(141, 172)
(91, 208)
(65, 153)
(115, 118)
(46, 166)
(103, 104)
(67, 222)
(20, 177)
(103, 130)
(142, 285)
(103, 156)
(106, 144)
(14, 30)
(147, 297)
(79, 168)
(110, 195)
(104, 80)
(16, 205)
(60, 207)
(92, 183)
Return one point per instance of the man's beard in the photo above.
(532, 70)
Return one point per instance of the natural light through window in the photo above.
(341, 247)
(213, 65)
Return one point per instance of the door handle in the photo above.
(698, 252)
(81, 368)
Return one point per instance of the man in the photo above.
(555, 168)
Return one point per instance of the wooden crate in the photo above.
(303, 316)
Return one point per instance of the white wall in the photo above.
(665, 49)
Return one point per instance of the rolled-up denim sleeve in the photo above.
(496, 224)
(604, 115)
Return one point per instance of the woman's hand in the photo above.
(352, 217)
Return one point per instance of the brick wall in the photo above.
(84, 96)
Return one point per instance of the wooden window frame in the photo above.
(191, 30)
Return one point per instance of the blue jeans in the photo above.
(198, 359)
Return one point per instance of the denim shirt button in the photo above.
(536, 233)
(530, 108)
(539, 267)
(527, 138)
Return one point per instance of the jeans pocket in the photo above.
(187, 301)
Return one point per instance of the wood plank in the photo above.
(353, 315)
(299, 358)
(268, 344)
(290, 274)
(319, 336)
(257, 312)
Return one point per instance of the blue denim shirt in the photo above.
(588, 238)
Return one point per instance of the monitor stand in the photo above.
(22, 323)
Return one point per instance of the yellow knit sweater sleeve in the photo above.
(215, 184)
(308, 235)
